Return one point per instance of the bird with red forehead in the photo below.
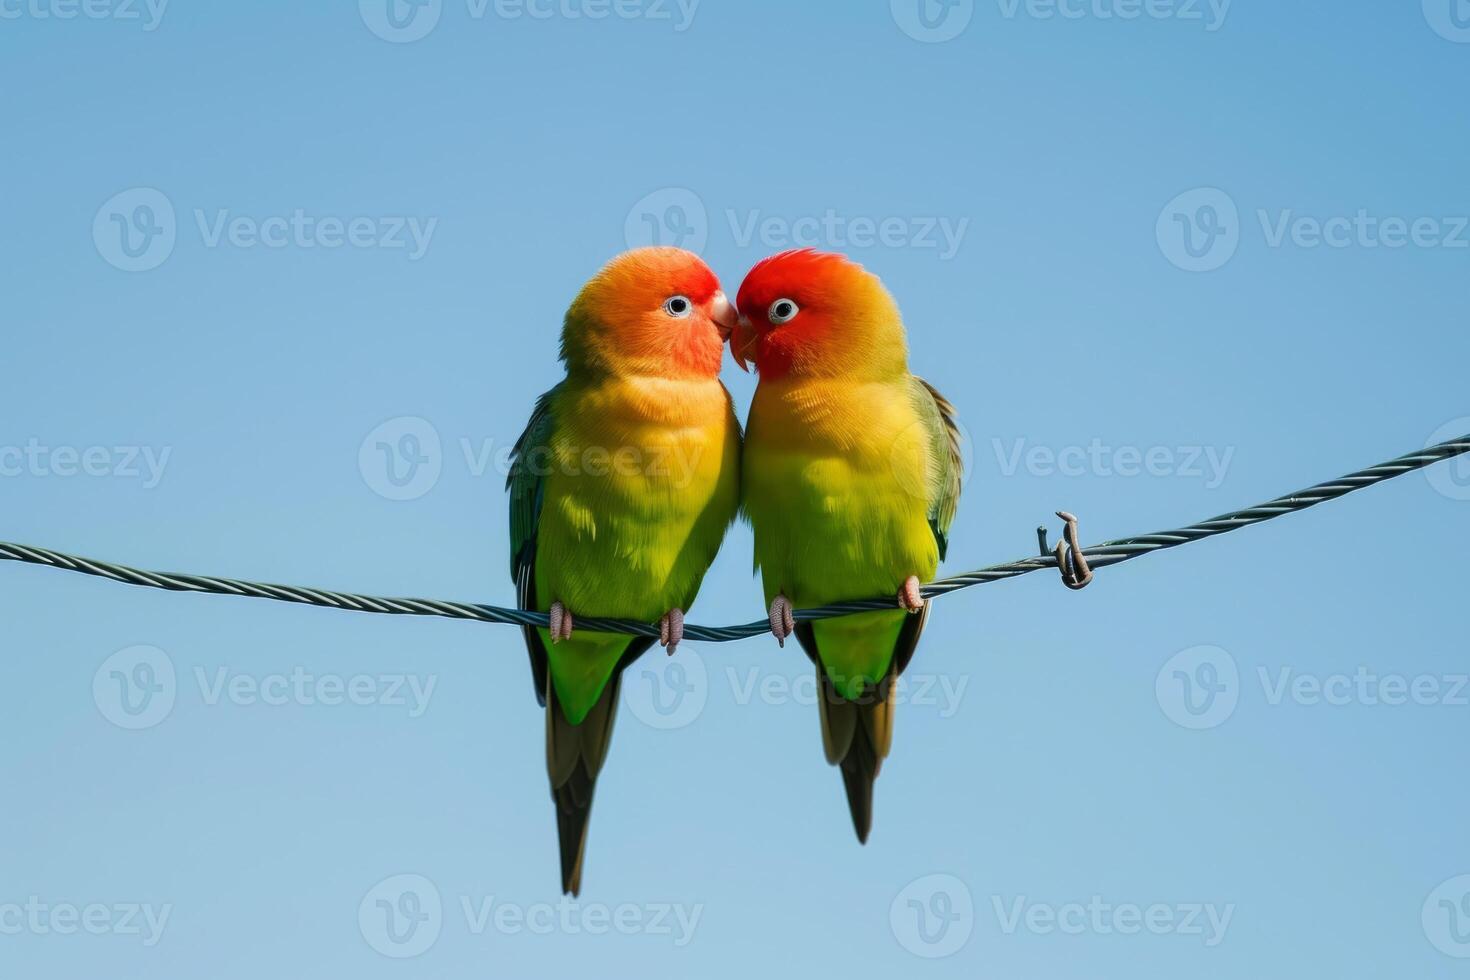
(851, 476)
(621, 490)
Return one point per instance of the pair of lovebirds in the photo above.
(632, 469)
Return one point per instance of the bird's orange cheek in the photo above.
(698, 350)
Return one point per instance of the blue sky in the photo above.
(1168, 257)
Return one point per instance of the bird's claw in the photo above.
(560, 626)
(671, 630)
(910, 597)
(783, 623)
(1070, 558)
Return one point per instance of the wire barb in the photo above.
(1098, 556)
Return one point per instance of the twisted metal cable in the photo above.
(1098, 556)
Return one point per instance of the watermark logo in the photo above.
(136, 687)
(136, 229)
(148, 12)
(933, 917)
(37, 917)
(1199, 231)
(1450, 478)
(568, 917)
(146, 464)
(406, 21)
(1210, 13)
(401, 459)
(1198, 688)
(1205, 920)
(401, 917)
(667, 692)
(1449, 18)
(1208, 464)
(401, 21)
(833, 230)
(670, 216)
(932, 21)
(677, 216)
(1446, 917)
(305, 689)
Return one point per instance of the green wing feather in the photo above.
(527, 489)
(939, 417)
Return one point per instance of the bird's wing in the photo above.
(527, 486)
(938, 416)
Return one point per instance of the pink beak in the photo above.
(724, 314)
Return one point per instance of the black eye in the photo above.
(678, 306)
(783, 311)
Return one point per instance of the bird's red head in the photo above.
(806, 312)
(655, 311)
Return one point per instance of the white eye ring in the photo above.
(678, 307)
(783, 311)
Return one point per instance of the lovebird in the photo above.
(851, 477)
(621, 490)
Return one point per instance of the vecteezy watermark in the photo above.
(1446, 917)
(145, 464)
(677, 216)
(1451, 477)
(1198, 688)
(137, 230)
(1364, 686)
(405, 21)
(403, 916)
(1449, 18)
(1201, 687)
(41, 918)
(933, 916)
(305, 689)
(667, 693)
(673, 216)
(148, 13)
(403, 459)
(1200, 230)
(137, 688)
(935, 21)
(1203, 920)
(1206, 463)
(834, 230)
(672, 692)
(1210, 14)
(932, 21)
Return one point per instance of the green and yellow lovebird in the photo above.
(621, 490)
(851, 478)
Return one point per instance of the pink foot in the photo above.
(910, 599)
(783, 624)
(671, 630)
(561, 623)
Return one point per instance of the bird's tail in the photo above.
(574, 757)
(857, 733)
(856, 736)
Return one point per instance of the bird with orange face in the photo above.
(851, 476)
(621, 490)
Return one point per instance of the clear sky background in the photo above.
(1197, 257)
